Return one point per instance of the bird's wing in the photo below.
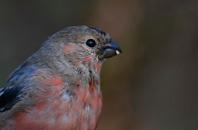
(13, 92)
(9, 96)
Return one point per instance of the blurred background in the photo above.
(153, 85)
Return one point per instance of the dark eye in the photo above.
(91, 43)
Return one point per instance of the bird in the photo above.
(58, 87)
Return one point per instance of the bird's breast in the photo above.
(71, 109)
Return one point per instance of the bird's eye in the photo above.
(91, 43)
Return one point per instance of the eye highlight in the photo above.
(91, 43)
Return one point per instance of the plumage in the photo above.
(58, 87)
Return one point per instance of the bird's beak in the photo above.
(109, 50)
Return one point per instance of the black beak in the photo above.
(110, 50)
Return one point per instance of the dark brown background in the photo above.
(153, 85)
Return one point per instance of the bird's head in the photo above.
(85, 45)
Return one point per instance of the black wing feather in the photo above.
(9, 96)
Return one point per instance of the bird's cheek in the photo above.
(70, 48)
(88, 59)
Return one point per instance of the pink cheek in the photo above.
(88, 59)
(70, 48)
